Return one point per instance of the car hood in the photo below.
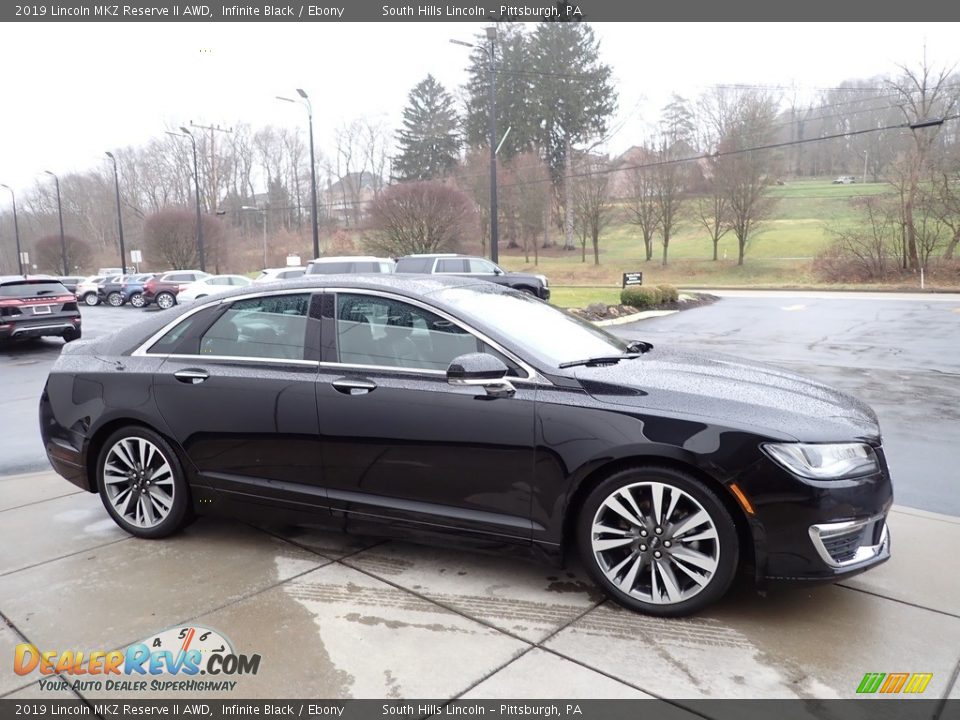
(733, 391)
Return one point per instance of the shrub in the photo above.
(640, 297)
(668, 293)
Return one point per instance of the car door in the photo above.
(237, 391)
(402, 445)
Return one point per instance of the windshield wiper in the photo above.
(600, 360)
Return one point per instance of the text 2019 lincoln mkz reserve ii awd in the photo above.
(431, 408)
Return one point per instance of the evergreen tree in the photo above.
(429, 141)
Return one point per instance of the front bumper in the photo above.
(544, 293)
(806, 530)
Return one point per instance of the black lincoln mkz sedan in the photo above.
(441, 408)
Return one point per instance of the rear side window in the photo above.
(287, 274)
(32, 289)
(272, 327)
(452, 265)
(330, 268)
(414, 265)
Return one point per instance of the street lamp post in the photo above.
(63, 242)
(313, 169)
(263, 212)
(196, 184)
(116, 185)
(492, 123)
(16, 228)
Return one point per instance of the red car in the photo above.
(163, 290)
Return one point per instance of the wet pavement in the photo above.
(336, 616)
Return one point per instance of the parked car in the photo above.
(131, 289)
(86, 291)
(474, 267)
(70, 282)
(211, 286)
(32, 307)
(163, 290)
(112, 271)
(845, 180)
(284, 273)
(350, 265)
(354, 401)
(109, 289)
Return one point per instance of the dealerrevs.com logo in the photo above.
(894, 683)
(169, 661)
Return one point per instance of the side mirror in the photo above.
(480, 370)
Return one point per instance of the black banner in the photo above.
(878, 708)
(477, 11)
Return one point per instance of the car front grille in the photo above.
(847, 543)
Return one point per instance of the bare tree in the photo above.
(668, 186)
(742, 121)
(418, 217)
(926, 96)
(712, 208)
(643, 207)
(170, 236)
(592, 206)
(48, 254)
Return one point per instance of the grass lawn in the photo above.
(778, 255)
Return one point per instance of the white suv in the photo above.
(284, 273)
(350, 264)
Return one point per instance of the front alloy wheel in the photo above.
(658, 541)
(137, 300)
(166, 300)
(115, 299)
(141, 483)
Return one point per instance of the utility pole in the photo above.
(214, 184)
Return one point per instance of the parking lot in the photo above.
(335, 616)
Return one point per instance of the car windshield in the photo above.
(549, 335)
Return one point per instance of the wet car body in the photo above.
(383, 450)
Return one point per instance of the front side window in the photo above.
(482, 267)
(381, 331)
(272, 327)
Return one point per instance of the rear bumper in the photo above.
(57, 326)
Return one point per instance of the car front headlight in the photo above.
(825, 462)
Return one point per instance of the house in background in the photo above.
(348, 199)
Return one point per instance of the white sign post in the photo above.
(136, 257)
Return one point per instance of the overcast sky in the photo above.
(71, 91)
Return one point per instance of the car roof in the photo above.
(350, 258)
(281, 269)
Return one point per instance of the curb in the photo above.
(634, 317)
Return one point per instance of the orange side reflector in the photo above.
(744, 503)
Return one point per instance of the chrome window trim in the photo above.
(238, 358)
(141, 350)
(533, 376)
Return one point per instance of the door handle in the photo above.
(191, 376)
(350, 386)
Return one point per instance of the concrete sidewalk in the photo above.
(335, 617)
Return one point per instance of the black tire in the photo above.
(166, 300)
(179, 509)
(527, 291)
(137, 301)
(91, 299)
(71, 335)
(115, 299)
(724, 550)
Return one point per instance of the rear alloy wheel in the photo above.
(166, 300)
(91, 299)
(137, 300)
(115, 299)
(141, 483)
(658, 541)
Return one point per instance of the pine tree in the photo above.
(429, 141)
